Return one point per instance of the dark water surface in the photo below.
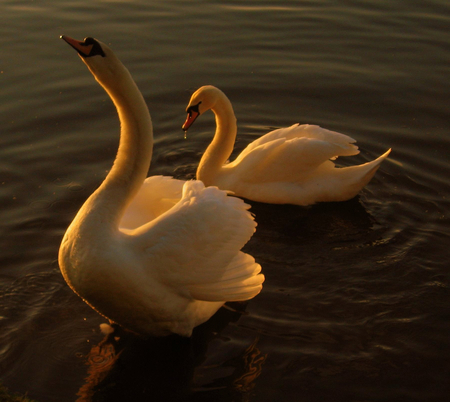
(356, 303)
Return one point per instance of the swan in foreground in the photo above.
(159, 256)
(290, 165)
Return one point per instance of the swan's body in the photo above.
(290, 165)
(158, 256)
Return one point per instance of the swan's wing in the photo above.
(156, 195)
(196, 245)
(344, 142)
(242, 281)
(288, 160)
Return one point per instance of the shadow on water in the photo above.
(124, 366)
(294, 232)
(338, 219)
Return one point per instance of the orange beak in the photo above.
(191, 116)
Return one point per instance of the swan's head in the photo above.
(99, 58)
(203, 99)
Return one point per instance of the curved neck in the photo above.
(133, 157)
(222, 144)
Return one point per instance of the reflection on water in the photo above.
(356, 300)
(101, 359)
(253, 363)
(123, 366)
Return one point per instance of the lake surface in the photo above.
(356, 303)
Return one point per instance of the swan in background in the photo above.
(159, 256)
(290, 165)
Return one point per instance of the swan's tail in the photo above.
(354, 178)
(242, 280)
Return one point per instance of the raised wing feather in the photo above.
(196, 243)
(288, 160)
(157, 195)
(242, 281)
(345, 143)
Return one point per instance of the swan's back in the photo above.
(343, 144)
(294, 165)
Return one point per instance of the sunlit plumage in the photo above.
(156, 255)
(290, 165)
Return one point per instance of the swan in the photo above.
(157, 256)
(291, 165)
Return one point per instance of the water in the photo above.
(355, 306)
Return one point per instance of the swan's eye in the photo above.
(93, 48)
(193, 109)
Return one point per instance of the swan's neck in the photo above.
(222, 145)
(107, 204)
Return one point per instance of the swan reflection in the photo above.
(124, 366)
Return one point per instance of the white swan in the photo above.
(286, 166)
(160, 256)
